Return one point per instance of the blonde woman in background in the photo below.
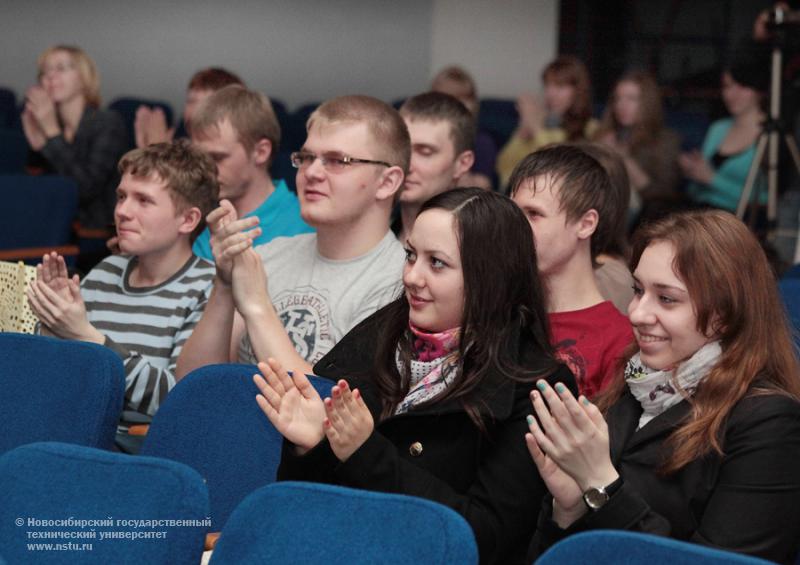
(70, 135)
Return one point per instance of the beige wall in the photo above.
(503, 43)
(295, 51)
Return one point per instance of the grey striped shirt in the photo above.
(146, 326)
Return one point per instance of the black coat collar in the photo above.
(354, 355)
(623, 420)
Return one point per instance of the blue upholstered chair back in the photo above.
(294, 136)
(45, 485)
(499, 118)
(211, 422)
(789, 287)
(58, 390)
(13, 151)
(9, 113)
(37, 211)
(292, 522)
(632, 548)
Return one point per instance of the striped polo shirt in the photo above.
(146, 326)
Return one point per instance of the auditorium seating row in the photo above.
(208, 465)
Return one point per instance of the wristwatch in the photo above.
(596, 497)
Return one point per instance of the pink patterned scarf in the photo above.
(434, 356)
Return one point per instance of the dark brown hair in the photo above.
(503, 298)
(584, 186)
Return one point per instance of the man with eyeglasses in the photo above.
(294, 298)
(442, 135)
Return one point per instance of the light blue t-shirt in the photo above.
(278, 215)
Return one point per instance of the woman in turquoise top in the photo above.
(718, 172)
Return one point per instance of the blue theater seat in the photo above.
(316, 524)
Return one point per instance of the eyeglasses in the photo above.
(57, 68)
(333, 162)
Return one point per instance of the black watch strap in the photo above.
(614, 487)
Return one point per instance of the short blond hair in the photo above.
(249, 112)
(388, 130)
(90, 79)
(189, 174)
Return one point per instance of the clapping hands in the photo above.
(39, 118)
(569, 444)
(291, 403)
(348, 423)
(150, 126)
(297, 411)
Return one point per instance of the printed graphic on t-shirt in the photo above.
(568, 352)
(305, 314)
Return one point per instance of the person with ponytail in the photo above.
(699, 437)
(433, 390)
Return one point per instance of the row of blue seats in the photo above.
(209, 457)
(115, 508)
(112, 508)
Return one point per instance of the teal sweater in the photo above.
(726, 186)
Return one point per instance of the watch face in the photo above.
(595, 498)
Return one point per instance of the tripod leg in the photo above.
(747, 190)
(791, 143)
(772, 180)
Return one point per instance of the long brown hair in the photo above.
(735, 296)
(651, 112)
(566, 69)
(503, 298)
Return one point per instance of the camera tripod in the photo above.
(772, 132)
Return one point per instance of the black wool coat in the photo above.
(747, 500)
(436, 452)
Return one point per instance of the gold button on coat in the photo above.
(415, 449)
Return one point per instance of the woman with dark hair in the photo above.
(433, 389)
(718, 172)
(70, 135)
(633, 125)
(699, 439)
(565, 116)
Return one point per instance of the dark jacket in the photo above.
(437, 453)
(746, 501)
(91, 159)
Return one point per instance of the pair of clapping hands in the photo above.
(150, 126)
(296, 410)
(39, 117)
(238, 264)
(568, 441)
(55, 298)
